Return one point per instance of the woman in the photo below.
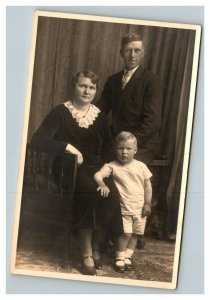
(79, 127)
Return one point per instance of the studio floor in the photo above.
(153, 263)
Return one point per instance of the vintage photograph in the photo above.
(105, 149)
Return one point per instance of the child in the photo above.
(132, 179)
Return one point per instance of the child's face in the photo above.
(125, 151)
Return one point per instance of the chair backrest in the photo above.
(48, 189)
(47, 197)
(49, 173)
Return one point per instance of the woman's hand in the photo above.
(71, 149)
(104, 190)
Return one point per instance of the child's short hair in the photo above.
(124, 136)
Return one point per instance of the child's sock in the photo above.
(120, 257)
(128, 255)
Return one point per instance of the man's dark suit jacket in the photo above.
(136, 109)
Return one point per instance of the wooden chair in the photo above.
(47, 194)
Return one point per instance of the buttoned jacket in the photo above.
(136, 108)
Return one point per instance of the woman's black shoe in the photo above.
(97, 261)
(86, 270)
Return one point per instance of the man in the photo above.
(134, 96)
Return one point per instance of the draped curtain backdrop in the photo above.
(66, 46)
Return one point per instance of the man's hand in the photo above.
(104, 190)
(146, 210)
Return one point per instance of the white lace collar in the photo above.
(86, 120)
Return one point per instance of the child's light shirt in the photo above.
(129, 179)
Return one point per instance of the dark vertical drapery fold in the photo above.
(43, 87)
(65, 47)
(173, 190)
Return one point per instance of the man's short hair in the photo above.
(124, 136)
(130, 37)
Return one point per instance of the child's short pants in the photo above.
(134, 224)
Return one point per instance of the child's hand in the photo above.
(104, 190)
(146, 210)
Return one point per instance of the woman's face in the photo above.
(84, 91)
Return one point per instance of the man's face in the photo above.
(132, 54)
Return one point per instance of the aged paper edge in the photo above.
(140, 283)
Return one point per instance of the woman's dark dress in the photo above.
(59, 129)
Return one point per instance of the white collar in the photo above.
(86, 120)
(130, 72)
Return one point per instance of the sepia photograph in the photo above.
(105, 149)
